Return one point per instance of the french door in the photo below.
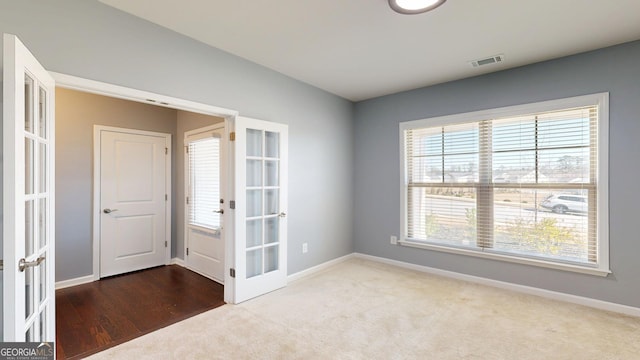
(261, 164)
(28, 205)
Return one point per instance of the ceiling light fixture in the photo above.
(414, 6)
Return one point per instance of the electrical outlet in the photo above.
(394, 240)
(305, 248)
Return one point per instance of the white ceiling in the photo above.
(359, 49)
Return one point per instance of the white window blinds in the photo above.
(519, 185)
(204, 182)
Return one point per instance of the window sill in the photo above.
(513, 259)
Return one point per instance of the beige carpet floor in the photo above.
(360, 309)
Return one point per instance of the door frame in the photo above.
(146, 97)
(223, 186)
(97, 190)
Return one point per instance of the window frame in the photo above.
(601, 100)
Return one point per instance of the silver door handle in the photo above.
(282, 214)
(23, 264)
(221, 211)
(108, 211)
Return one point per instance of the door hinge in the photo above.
(166, 151)
(187, 251)
(186, 148)
(166, 197)
(187, 200)
(232, 136)
(165, 243)
(232, 272)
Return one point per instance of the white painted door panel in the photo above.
(206, 253)
(28, 204)
(133, 203)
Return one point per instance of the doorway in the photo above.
(83, 120)
(205, 150)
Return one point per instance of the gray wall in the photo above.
(377, 171)
(87, 39)
(76, 114)
(186, 121)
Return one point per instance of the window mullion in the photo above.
(592, 198)
(484, 199)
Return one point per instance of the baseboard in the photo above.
(580, 300)
(73, 282)
(177, 261)
(315, 269)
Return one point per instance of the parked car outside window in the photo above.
(562, 203)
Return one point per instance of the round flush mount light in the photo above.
(414, 6)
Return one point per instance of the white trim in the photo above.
(602, 101)
(120, 92)
(488, 254)
(97, 189)
(319, 268)
(177, 261)
(554, 295)
(74, 282)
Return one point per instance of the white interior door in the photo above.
(261, 152)
(204, 218)
(134, 198)
(28, 205)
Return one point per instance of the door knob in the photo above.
(221, 211)
(108, 211)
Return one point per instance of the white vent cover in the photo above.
(487, 61)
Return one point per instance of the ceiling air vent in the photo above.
(487, 61)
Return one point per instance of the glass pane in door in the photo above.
(42, 113)
(272, 144)
(42, 268)
(254, 203)
(42, 168)
(29, 166)
(272, 233)
(271, 258)
(254, 172)
(29, 238)
(42, 222)
(254, 233)
(28, 104)
(43, 326)
(28, 292)
(254, 142)
(254, 263)
(271, 177)
(271, 198)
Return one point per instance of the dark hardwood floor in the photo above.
(93, 317)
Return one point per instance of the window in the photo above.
(524, 184)
(204, 182)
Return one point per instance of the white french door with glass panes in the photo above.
(204, 175)
(28, 205)
(261, 153)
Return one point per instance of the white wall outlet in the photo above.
(305, 248)
(394, 240)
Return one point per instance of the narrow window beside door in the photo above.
(204, 181)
